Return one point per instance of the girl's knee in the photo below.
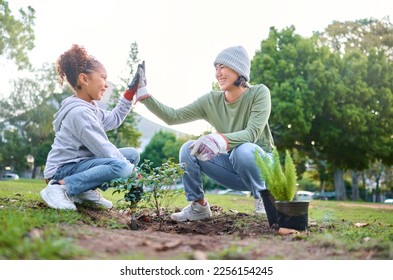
(137, 158)
(124, 169)
(131, 154)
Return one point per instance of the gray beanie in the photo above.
(235, 58)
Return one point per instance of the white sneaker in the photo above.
(93, 196)
(259, 206)
(55, 196)
(193, 212)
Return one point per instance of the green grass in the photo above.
(30, 230)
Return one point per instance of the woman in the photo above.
(82, 158)
(239, 113)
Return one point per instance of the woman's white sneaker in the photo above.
(193, 212)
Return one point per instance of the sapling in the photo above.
(132, 187)
(158, 181)
(149, 183)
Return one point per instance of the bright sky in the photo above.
(178, 39)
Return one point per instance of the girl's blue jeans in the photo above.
(92, 173)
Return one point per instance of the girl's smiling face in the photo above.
(93, 85)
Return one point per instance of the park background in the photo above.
(328, 65)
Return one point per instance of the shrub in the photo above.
(149, 183)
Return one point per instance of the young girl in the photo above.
(82, 158)
(239, 113)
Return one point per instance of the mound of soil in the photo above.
(227, 235)
(220, 224)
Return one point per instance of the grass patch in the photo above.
(31, 230)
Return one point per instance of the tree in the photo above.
(28, 112)
(364, 100)
(28, 93)
(327, 101)
(162, 147)
(363, 34)
(376, 171)
(16, 35)
(13, 151)
(126, 134)
(299, 73)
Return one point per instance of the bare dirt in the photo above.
(227, 235)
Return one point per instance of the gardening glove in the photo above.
(142, 93)
(209, 146)
(132, 87)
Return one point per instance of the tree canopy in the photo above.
(331, 93)
(162, 146)
(16, 34)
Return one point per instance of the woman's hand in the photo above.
(209, 146)
(141, 93)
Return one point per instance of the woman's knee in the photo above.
(245, 154)
(184, 154)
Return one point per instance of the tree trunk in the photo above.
(35, 172)
(377, 191)
(339, 184)
(355, 187)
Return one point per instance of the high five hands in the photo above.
(137, 87)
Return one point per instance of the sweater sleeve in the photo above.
(244, 121)
(192, 112)
(114, 118)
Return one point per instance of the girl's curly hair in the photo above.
(74, 62)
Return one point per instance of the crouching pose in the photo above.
(82, 158)
(239, 114)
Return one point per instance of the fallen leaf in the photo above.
(312, 224)
(146, 243)
(215, 208)
(34, 233)
(145, 218)
(199, 255)
(169, 245)
(361, 224)
(287, 231)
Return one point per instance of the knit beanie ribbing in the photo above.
(235, 58)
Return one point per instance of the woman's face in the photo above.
(225, 76)
(94, 85)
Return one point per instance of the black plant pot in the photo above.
(270, 207)
(292, 214)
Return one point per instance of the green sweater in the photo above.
(243, 121)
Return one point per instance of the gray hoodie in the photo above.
(80, 129)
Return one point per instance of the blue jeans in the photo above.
(92, 173)
(236, 170)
